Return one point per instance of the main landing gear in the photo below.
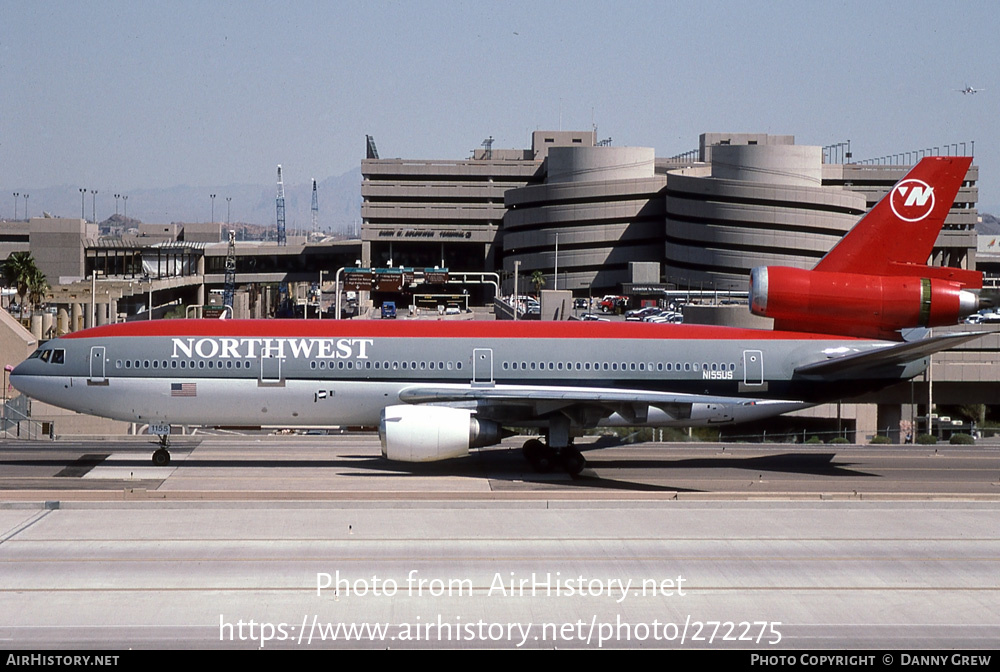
(161, 456)
(544, 458)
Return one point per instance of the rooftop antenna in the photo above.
(372, 151)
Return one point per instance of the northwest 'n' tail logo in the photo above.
(912, 200)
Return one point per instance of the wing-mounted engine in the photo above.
(866, 306)
(431, 433)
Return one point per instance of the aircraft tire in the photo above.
(539, 456)
(161, 457)
(572, 461)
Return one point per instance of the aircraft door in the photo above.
(97, 361)
(482, 366)
(753, 367)
(270, 370)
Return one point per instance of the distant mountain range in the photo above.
(339, 204)
(990, 225)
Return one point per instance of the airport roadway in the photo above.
(289, 542)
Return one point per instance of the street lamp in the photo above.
(117, 196)
(319, 303)
(83, 194)
(212, 196)
(229, 199)
(26, 207)
(16, 194)
(125, 208)
(93, 203)
(6, 370)
(517, 266)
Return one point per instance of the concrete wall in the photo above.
(605, 205)
(785, 165)
(204, 232)
(58, 247)
(598, 164)
(764, 205)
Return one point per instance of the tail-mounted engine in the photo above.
(853, 304)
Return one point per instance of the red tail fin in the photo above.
(900, 231)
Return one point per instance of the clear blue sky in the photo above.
(128, 95)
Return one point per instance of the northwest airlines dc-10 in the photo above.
(437, 389)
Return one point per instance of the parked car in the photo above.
(614, 304)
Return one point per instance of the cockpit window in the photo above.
(50, 356)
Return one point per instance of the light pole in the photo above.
(83, 195)
(319, 303)
(93, 296)
(212, 196)
(555, 275)
(26, 207)
(6, 370)
(229, 199)
(93, 204)
(16, 194)
(117, 196)
(517, 265)
(125, 208)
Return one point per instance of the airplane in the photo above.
(435, 390)
(969, 89)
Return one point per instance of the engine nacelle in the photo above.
(431, 433)
(852, 304)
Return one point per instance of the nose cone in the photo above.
(15, 374)
(21, 377)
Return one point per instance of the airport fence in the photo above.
(16, 422)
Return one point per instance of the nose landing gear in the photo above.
(161, 456)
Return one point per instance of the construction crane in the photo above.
(281, 209)
(229, 291)
(315, 209)
(283, 301)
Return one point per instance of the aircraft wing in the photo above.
(588, 406)
(890, 355)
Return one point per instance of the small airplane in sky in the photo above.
(437, 389)
(970, 90)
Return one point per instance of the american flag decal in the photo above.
(183, 389)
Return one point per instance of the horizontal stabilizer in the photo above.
(891, 355)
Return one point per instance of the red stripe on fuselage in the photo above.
(438, 329)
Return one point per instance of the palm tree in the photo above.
(19, 271)
(37, 288)
(538, 280)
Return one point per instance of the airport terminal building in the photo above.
(584, 211)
